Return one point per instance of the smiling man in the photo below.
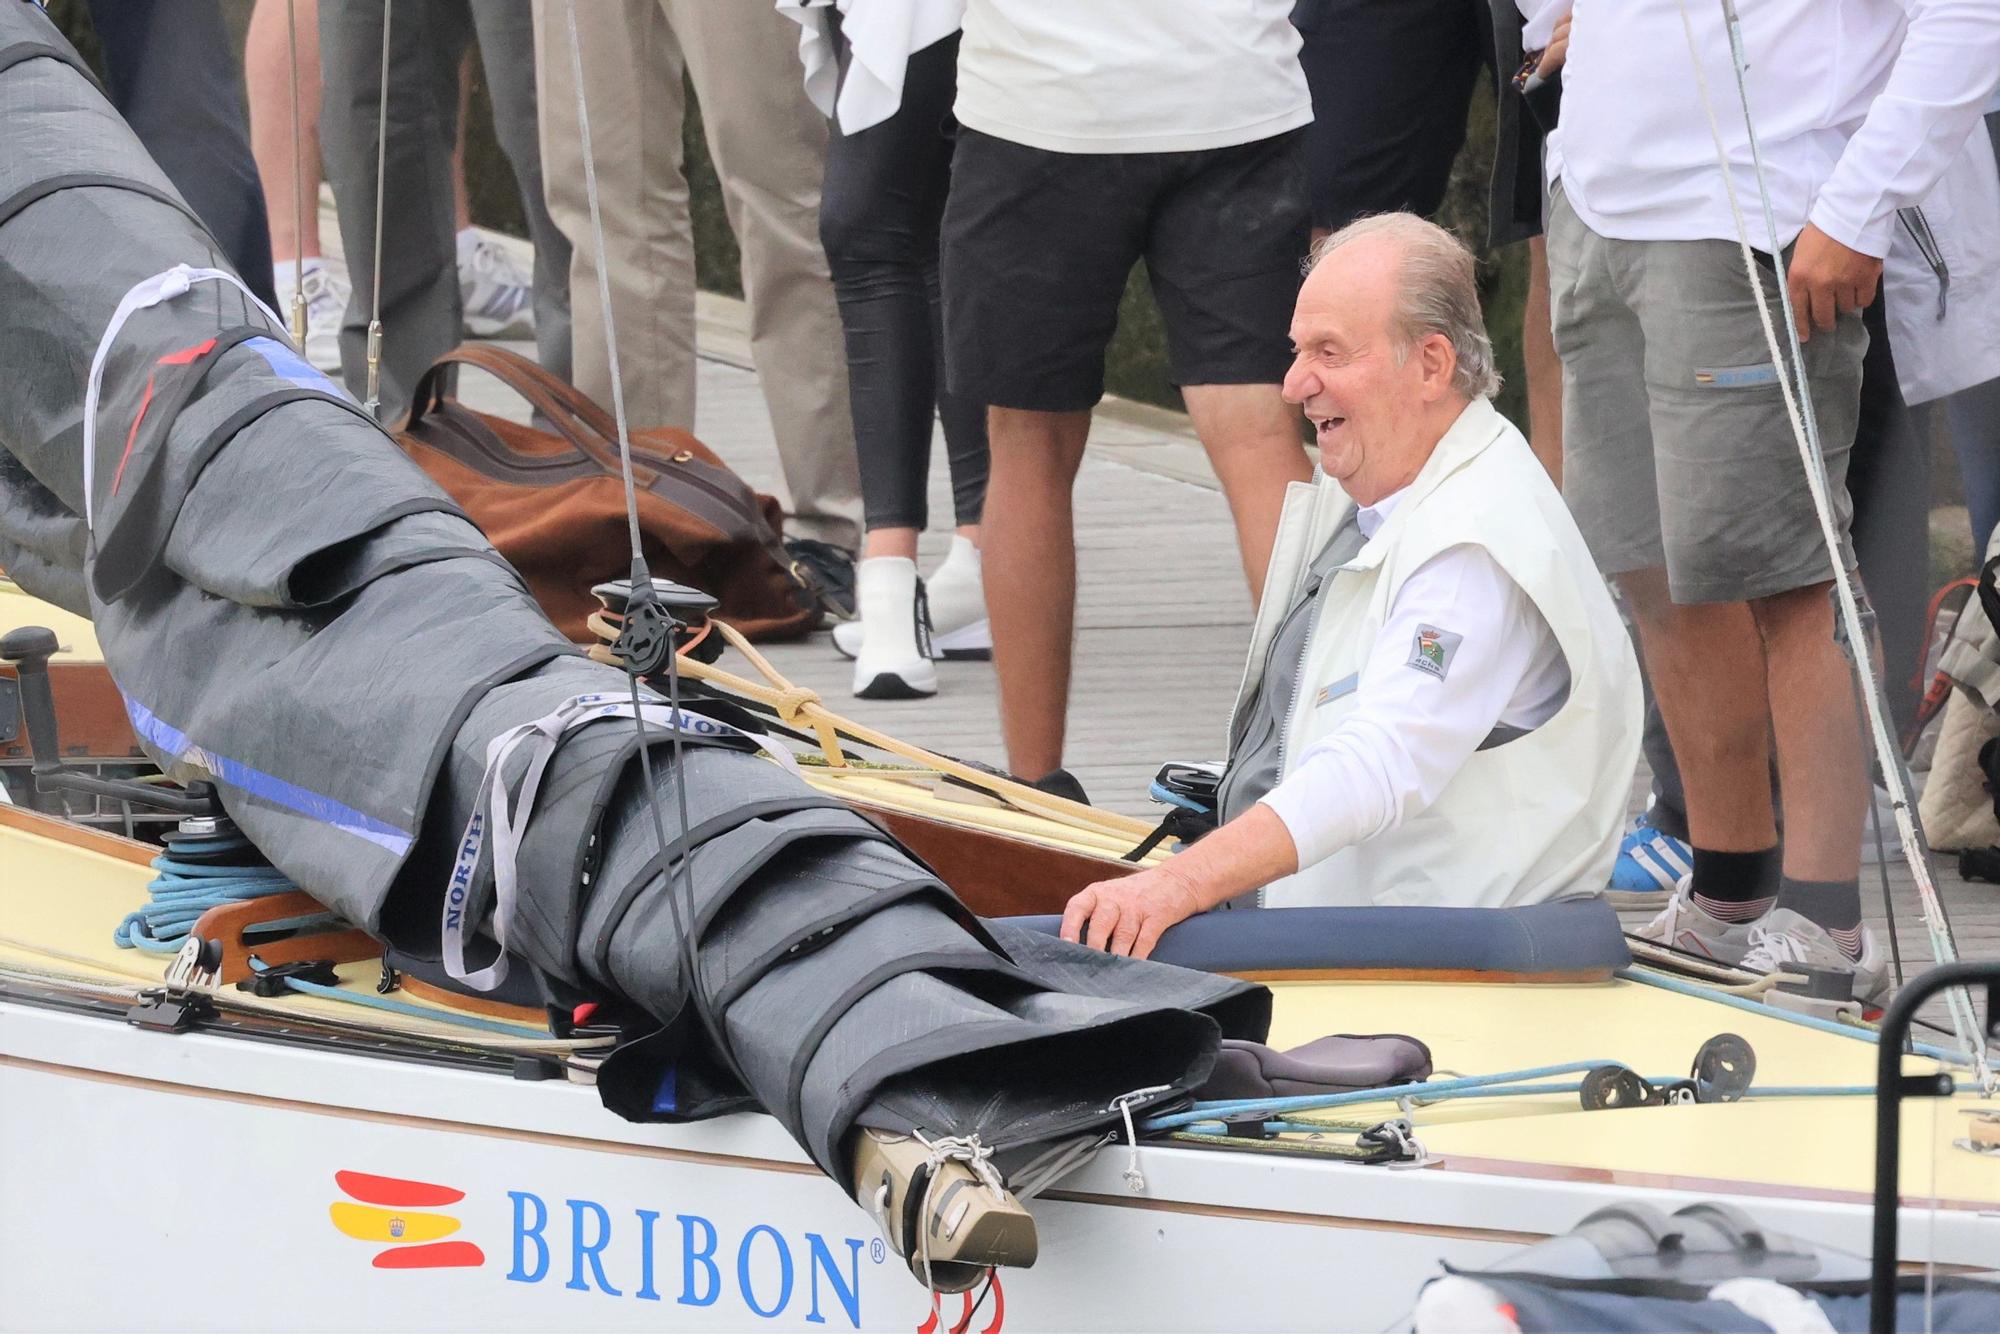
(1441, 706)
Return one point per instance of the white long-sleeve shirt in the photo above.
(1410, 731)
(1859, 106)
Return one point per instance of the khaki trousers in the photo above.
(769, 145)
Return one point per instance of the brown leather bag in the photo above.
(554, 504)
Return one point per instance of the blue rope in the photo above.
(375, 1002)
(184, 890)
(1867, 1035)
(1245, 1108)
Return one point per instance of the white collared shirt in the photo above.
(1859, 106)
(1131, 76)
(1411, 731)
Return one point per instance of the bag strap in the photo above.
(570, 413)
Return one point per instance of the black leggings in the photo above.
(879, 214)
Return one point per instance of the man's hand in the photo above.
(1127, 915)
(1828, 280)
(1556, 51)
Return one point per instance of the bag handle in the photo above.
(574, 417)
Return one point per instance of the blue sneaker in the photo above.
(1649, 865)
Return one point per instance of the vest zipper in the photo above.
(1298, 683)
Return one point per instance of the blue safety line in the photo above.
(1169, 798)
(1867, 1035)
(375, 1002)
(1245, 1108)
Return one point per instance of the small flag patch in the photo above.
(1434, 649)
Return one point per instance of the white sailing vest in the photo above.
(1533, 819)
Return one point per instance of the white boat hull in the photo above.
(167, 1183)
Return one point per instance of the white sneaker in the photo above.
(323, 283)
(894, 661)
(1784, 937)
(1683, 925)
(956, 600)
(499, 298)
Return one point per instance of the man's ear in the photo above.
(1440, 361)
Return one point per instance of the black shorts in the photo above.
(1038, 245)
(1391, 83)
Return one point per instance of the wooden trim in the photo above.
(77, 836)
(1503, 1236)
(226, 923)
(454, 1000)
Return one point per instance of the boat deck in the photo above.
(1162, 617)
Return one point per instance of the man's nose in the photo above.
(1300, 382)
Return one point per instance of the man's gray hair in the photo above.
(1438, 292)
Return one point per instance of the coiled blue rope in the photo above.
(184, 890)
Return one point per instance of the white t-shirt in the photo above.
(1854, 118)
(1410, 732)
(1131, 76)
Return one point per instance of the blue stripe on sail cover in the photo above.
(289, 365)
(269, 787)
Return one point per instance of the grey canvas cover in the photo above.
(294, 612)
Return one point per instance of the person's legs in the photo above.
(1036, 251)
(879, 216)
(268, 75)
(1889, 479)
(1543, 367)
(171, 75)
(1224, 249)
(769, 146)
(1030, 559)
(1972, 422)
(419, 301)
(631, 65)
(1701, 661)
(1741, 539)
(1252, 439)
(506, 32)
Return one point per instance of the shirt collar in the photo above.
(1370, 518)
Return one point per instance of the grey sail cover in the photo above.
(296, 613)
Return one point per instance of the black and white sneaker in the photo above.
(895, 657)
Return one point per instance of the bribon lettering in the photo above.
(525, 1234)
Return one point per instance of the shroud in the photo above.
(293, 611)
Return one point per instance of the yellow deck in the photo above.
(59, 903)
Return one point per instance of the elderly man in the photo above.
(1441, 706)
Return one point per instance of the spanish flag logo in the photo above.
(395, 1211)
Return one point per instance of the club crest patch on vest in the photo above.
(1434, 650)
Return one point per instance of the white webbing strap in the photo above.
(503, 817)
(145, 294)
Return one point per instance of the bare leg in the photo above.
(889, 542)
(1030, 566)
(462, 201)
(1543, 366)
(267, 74)
(1252, 438)
(1822, 766)
(1699, 659)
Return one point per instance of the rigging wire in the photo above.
(675, 856)
(374, 403)
(298, 184)
(1805, 430)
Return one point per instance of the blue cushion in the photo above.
(1574, 935)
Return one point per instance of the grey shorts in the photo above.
(1676, 448)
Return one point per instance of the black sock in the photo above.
(1740, 884)
(1833, 904)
